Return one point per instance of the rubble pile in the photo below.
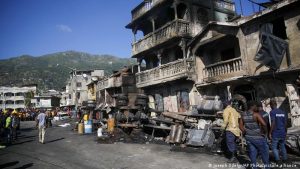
(136, 136)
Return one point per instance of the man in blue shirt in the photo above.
(278, 131)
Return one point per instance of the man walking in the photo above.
(278, 131)
(41, 123)
(256, 138)
(231, 125)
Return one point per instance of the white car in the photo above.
(61, 116)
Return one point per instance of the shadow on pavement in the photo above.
(27, 129)
(18, 143)
(25, 166)
(55, 140)
(9, 164)
(24, 136)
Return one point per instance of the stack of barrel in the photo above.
(86, 126)
(141, 100)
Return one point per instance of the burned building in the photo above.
(117, 90)
(162, 29)
(255, 56)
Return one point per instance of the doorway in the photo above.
(248, 91)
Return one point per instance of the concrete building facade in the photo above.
(166, 68)
(14, 97)
(77, 86)
(226, 58)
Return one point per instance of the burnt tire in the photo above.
(122, 97)
(141, 96)
(122, 103)
(141, 102)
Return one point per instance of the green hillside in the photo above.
(44, 71)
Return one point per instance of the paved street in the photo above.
(66, 149)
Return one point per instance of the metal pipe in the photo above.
(174, 116)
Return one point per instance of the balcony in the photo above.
(222, 4)
(176, 28)
(224, 69)
(109, 83)
(144, 7)
(102, 84)
(168, 72)
(19, 98)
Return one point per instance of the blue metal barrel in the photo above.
(88, 126)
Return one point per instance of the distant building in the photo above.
(77, 87)
(49, 99)
(14, 97)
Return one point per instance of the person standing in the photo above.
(254, 128)
(41, 123)
(265, 116)
(14, 125)
(278, 131)
(8, 132)
(231, 126)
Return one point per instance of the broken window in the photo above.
(182, 11)
(202, 16)
(78, 84)
(78, 95)
(159, 102)
(279, 28)
(227, 54)
(183, 101)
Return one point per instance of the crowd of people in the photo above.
(10, 123)
(259, 128)
(9, 126)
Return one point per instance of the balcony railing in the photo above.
(117, 81)
(167, 72)
(223, 69)
(110, 82)
(224, 5)
(102, 84)
(172, 29)
(144, 7)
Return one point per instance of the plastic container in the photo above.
(88, 127)
(99, 132)
(80, 128)
(110, 125)
(86, 117)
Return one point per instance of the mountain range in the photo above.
(50, 71)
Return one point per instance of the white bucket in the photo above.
(99, 132)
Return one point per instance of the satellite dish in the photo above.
(84, 75)
(94, 78)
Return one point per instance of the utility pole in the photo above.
(74, 87)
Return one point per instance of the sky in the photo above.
(39, 27)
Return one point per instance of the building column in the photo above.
(153, 24)
(134, 31)
(229, 96)
(158, 55)
(174, 6)
(294, 102)
(139, 60)
(183, 44)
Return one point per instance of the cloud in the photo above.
(64, 28)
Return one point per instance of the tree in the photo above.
(28, 96)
